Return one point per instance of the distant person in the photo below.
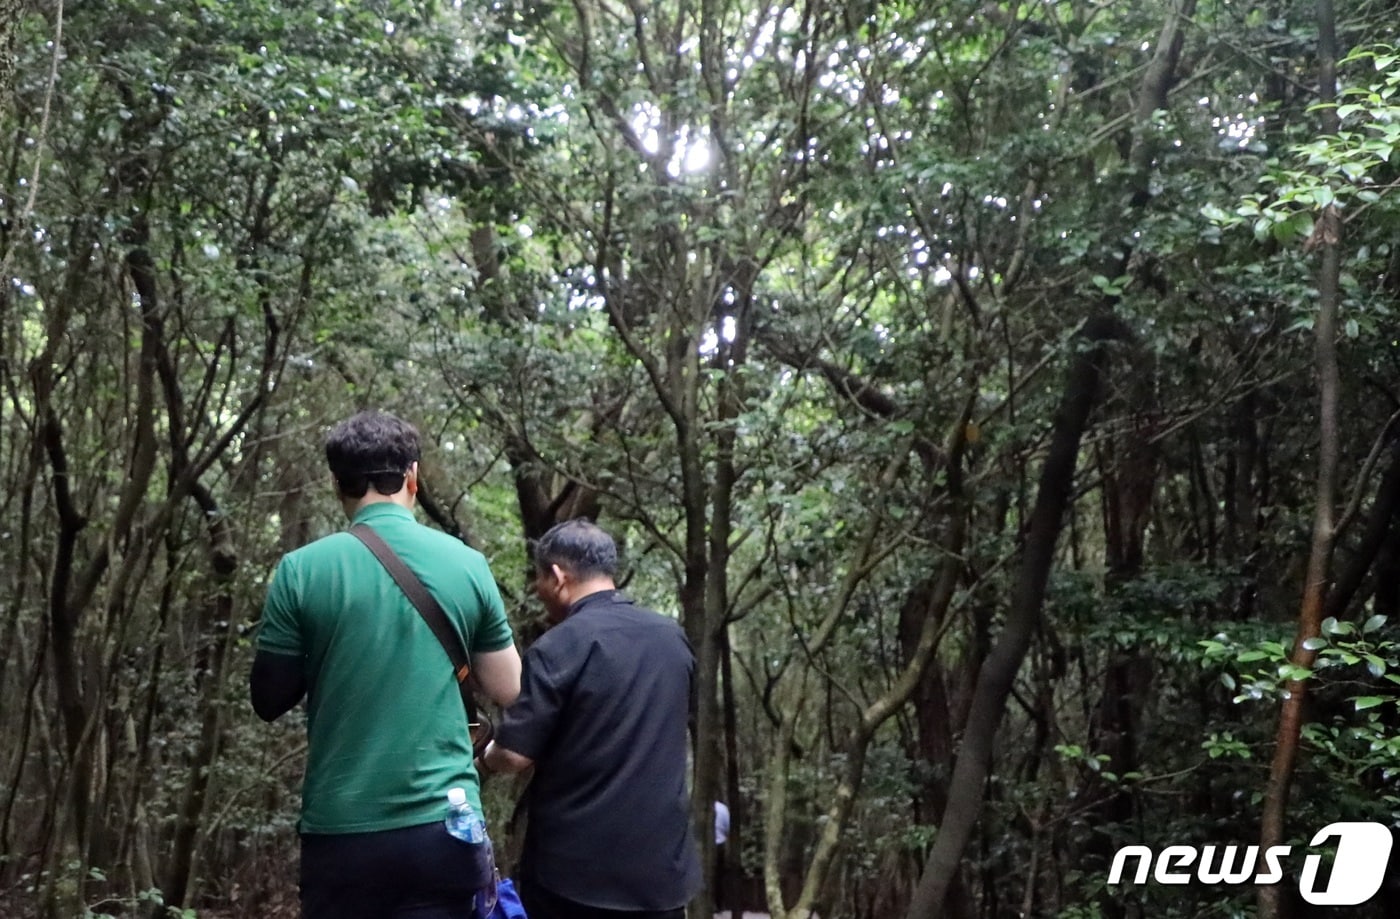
(721, 837)
(386, 729)
(603, 717)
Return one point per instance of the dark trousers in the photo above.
(541, 904)
(717, 883)
(419, 872)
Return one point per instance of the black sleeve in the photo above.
(277, 682)
(528, 723)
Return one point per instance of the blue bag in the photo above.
(506, 906)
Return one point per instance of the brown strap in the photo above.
(431, 611)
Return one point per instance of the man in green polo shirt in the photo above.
(386, 733)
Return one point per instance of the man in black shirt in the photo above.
(602, 716)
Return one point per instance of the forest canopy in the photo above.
(1003, 396)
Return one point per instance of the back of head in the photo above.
(371, 449)
(580, 547)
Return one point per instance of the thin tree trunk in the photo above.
(775, 813)
(731, 866)
(968, 784)
(1129, 464)
(902, 688)
(137, 834)
(709, 736)
(216, 632)
(1327, 235)
(19, 564)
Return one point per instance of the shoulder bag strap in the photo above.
(431, 611)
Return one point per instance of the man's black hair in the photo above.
(371, 449)
(580, 547)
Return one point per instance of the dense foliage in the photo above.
(951, 370)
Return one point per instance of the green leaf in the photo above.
(1375, 622)
(1315, 643)
(1353, 171)
(1107, 286)
(1297, 226)
(1365, 702)
(1215, 213)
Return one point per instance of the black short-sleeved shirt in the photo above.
(603, 710)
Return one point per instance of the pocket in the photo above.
(484, 903)
(480, 857)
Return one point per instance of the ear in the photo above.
(410, 479)
(558, 574)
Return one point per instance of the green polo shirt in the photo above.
(386, 733)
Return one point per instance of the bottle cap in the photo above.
(456, 796)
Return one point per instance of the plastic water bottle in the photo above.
(464, 823)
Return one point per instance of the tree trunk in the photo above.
(936, 724)
(1129, 464)
(968, 784)
(907, 681)
(1310, 614)
(11, 15)
(216, 633)
(730, 869)
(729, 358)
